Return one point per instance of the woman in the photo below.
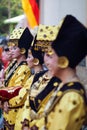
(43, 79)
(66, 109)
(20, 41)
(6, 56)
(5, 59)
(35, 63)
(43, 84)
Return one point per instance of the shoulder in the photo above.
(74, 90)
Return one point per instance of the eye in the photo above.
(14, 48)
(48, 55)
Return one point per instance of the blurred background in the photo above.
(30, 13)
(15, 13)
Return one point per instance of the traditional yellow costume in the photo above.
(66, 99)
(66, 108)
(40, 83)
(21, 72)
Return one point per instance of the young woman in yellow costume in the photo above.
(66, 108)
(43, 84)
(20, 41)
(34, 55)
(35, 62)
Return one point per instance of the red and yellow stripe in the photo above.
(31, 10)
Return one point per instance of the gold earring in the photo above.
(63, 62)
(22, 50)
(36, 61)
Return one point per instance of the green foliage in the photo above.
(8, 9)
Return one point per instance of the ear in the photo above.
(22, 50)
(36, 61)
(63, 62)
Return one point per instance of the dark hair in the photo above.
(71, 41)
(38, 54)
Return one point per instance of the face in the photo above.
(6, 54)
(51, 61)
(15, 51)
(30, 60)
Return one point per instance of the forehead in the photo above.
(49, 50)
(12, 47)
(13, 43)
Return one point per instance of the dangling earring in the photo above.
(63, 62)
(22, 50)
(36, 61)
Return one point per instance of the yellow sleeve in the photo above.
(20, 99)
(68, 114)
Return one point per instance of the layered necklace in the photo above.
(39, 85)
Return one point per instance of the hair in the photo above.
(38, 54)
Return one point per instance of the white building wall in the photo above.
(52, 11)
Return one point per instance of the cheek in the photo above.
(46, 59)
(16, 53)
(5, 55)
(54, 65)
(29, 62)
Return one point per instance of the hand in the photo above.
(34, 127)
(1, 106)
(6, 107)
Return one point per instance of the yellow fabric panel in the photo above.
(18, 79)
(20, 76)
(20, 99)
(68, 114)
(29, 13)
(23, 113)
(10, 116)
(40, 122)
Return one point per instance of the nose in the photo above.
(26, 59)
(46, 60)
(9, 52)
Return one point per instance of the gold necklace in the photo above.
(40, 81)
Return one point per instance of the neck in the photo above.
(67, 75)
(20, 59)
(37, 68)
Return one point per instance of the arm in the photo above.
(20, 99)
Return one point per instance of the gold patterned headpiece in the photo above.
(46, 35)
(17, 33)
(21, 37)
(15, 36)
